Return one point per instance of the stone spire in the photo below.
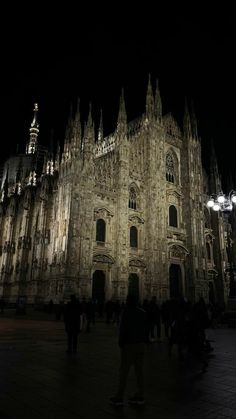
(68, 134)
(57, 158)
(122, 116)
(194, 121)
(31, 146)
(215, 180)
(50, 155)
(100, 129)
(158, 103)
(77, 121)
(69, 127)
(76, 132)
(187, 122)
(89, 125)
(88, 140)
(149, 100)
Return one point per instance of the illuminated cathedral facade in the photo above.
(112, 215)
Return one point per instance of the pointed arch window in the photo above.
(100, 230)
(173, 216)
(132, 198)
(133, 237)
(170, 168)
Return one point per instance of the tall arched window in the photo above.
(100, 230)
(132, 198)
(170, 168)
(173, 216)
(133, 237)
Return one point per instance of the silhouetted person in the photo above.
(165, 316)
(90, 314)
(133, 335)
(72, 323)
(83, 311)
(179, 325)
(155, 318)
(199, 322)
(2, 305)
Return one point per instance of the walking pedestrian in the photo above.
(133, 335)
(72, 323)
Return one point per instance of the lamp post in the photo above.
(225, 204)
(222, 202)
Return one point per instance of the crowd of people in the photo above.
(180, 322)
(177, 321)
(184, 326)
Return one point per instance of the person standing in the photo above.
(155, 319)
(133, 335)
(2, 305)
(72, 323)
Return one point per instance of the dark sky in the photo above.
(54, 56)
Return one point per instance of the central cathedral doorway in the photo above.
(133, 285)
(176, 290)
(98, 288)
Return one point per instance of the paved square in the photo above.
(39, 380)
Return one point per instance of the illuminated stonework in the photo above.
(124, 211)
(105, 146)
(31, 147)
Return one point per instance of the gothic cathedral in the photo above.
(112, 215)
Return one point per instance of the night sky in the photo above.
(55, 56)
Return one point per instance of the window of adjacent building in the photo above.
(133, 237)
(100, 230)
(173, 216)
(132, 198)
(170, 168)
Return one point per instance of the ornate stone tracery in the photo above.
(177, 252)
(101, 258)
(102, 213)
(135, 219)
(129, 181)
(137, 263)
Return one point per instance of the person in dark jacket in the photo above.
(72, 323)
(133, 335)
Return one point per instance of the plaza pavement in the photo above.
(39, 380)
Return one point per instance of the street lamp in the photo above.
(222, 202)
(225, 204)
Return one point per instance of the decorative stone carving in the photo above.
(103, 259)
(171, 126)
(177, 252)
(105, 146)
(102, 213)
(129, 179)
(135, 219)
(137, 263)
